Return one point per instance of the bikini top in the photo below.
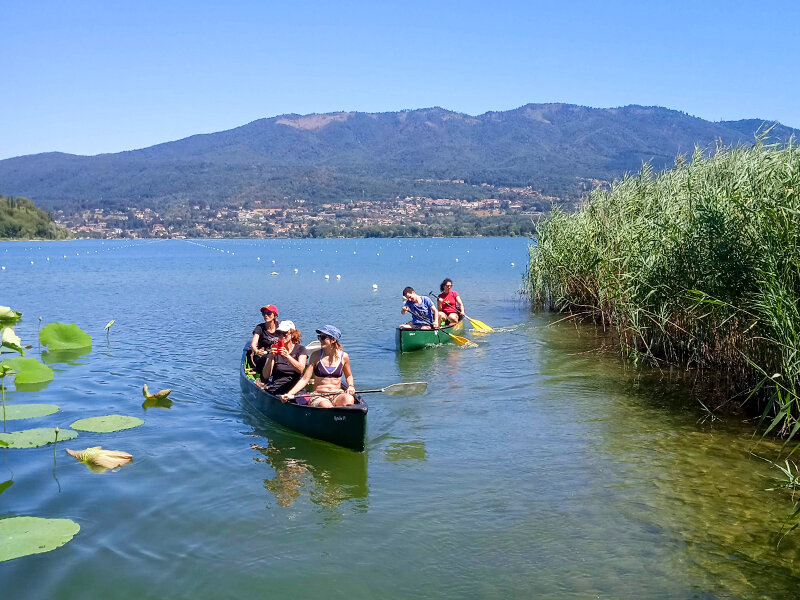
(336, 371)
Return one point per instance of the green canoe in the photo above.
(409, 340)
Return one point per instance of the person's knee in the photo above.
(345, 400)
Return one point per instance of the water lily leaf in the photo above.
(29, 370)
(159, 395)
(64, 336)
(109, 324)
(106, 423)
(5, 485)
(10, 341)
(21, 536)
(30, 411)
(101, 459)
(32, 438)
(9, 316)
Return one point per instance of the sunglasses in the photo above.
(322, 337)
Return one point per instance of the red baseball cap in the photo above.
(269, 308)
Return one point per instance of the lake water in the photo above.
(535, 466)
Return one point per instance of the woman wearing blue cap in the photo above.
(326, 366)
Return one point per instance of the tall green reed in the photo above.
(698, 266)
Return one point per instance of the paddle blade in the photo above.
(479, 325)
(462, 341)
(413, 388)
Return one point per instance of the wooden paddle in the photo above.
(477, 324)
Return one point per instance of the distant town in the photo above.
(513, 212)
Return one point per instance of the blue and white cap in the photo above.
(330, 331)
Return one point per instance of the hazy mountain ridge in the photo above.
(340, 156)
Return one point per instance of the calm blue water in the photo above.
(535, 465)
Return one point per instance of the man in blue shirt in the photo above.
(424, 314)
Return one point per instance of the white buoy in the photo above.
(273, 262)
(412, 256)
(512, 264)
(314, 271)
(31, 262)
(456, 260)
(295, 270)
(354, 251)
(338, 276)
(377, 254)
(327, 276)
(374, 285)
(258, 258)
(48, 259)
(3, 268)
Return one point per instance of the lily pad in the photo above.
(64, 336)
(5, 485)
(21, 536)
(106, 423)
(30, 411)
(32, 438)
(29, 370)
(10, 341)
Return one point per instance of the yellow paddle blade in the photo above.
(462, 341)
(479, 325)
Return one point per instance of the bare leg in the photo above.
(344, 400)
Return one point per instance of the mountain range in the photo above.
(553, 148)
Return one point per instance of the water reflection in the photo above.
(69, 357)
(326, 474)
(399, 451)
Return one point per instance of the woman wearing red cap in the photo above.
(264, 335)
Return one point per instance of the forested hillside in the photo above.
(21, 219)
(556, 149)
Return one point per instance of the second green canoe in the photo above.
(409, 340)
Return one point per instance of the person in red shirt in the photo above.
(451, 306)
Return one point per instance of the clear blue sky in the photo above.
(91, 77)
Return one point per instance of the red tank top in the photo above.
(449, 301)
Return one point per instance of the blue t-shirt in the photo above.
(422, 313)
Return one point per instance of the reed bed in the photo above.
(697, 266)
